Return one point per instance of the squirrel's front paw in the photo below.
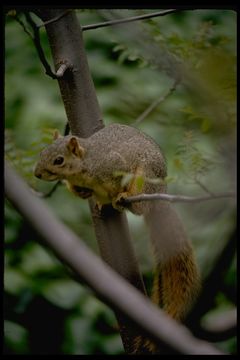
(80, 191)
(118, 201)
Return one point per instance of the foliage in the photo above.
(195, 126)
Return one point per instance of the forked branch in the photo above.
(35, 36)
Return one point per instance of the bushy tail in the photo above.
(177, 280)
(176, 284)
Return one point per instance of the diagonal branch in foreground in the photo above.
(106, 283)
(175, 198)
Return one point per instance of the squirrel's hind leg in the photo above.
(131, 189)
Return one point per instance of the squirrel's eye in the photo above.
(59, 160)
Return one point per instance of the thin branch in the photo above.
(106, 283)
(17, 18)
(56, 18)
(155, 103)
(130, 19)
(37, 43)
(62, 69)
(35, 37)
(197, 181)
(48, 194)
(175, 198)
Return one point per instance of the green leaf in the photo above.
(119, 47)
(206, 125)
(16, 337)
(169, 179)
(15, 281)
(126, 179)
(139, 183)
(178, 163)
(132, 57)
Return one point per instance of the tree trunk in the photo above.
(84, 117)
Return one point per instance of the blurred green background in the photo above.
(45, 310)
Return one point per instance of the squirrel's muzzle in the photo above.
(38, 175)
(44, 174)
(37, 172)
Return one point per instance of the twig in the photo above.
(203, 187)
(37, 42)
(48, 194)
(16, 17)
(54, 19)
(175, 198)
(155, 103)
(61, 70)
(130, 19)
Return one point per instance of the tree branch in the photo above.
(62, 69)
(106, 283)
(37, 43)
(197, 181)
(129, 19)
(56, 18)
(175, 198)
(35, 37)
(156, 103)
(49, 193)
(17, 18)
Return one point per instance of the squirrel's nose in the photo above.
(37, 173)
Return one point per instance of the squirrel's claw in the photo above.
(118, 201)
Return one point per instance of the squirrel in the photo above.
(95, 166)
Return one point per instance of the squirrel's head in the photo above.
(60, 159)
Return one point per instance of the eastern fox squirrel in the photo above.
(95, 166)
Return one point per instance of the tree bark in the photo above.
(84, 117)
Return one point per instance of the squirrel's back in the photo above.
(133, 145)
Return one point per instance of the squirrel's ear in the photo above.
(56, 135)
(75, 148)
